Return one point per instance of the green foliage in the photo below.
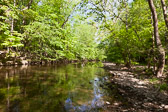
(84, 30)
(50, 41)
(129, 36)
(8, 37)
(42, 31)
(86, 47)
(153, 80)
(162, 87)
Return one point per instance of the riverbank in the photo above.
(140, 92)
(11, 61)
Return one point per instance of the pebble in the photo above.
(145, 100)
(162, 105)
(166, 106)
(107, 102)
(116, 104)
(119, 74)
(105, 78)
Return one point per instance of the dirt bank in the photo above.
(139, 93)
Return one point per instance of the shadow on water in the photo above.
(58, 88)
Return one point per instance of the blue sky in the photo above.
(130, 1)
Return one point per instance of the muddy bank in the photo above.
(138, 94)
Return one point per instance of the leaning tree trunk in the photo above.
(166, 21)
(160, 49)
(164, 12)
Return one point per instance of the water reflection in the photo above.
(56, 88)
(94, 104)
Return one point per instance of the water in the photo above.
(56, 88)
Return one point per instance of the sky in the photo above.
(130, 1)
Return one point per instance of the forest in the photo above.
(130, 38)
(120, 31)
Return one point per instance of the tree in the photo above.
(164, 12)
(160, 49)
(164, 8)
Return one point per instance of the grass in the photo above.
(163, 87)
(153, 80)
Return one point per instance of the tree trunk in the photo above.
(160, 49)
(164, 12)
(12, 26)
(66, 20)
(30, 3)
(12, 21)
(128, 57)
(166, 20)
(154, 54)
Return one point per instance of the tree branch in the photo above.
(69, 16)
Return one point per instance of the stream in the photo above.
(53, 88)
